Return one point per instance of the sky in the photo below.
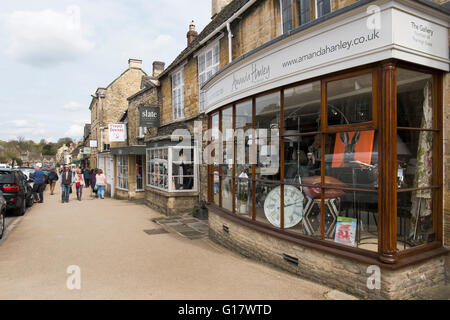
(55, 53)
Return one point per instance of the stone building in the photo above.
(354, 172)
(107, 105)
(130, 155)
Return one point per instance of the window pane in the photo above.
(228, 141)
(209, 59)
(268, 202)
(267, 125)
(302, 108)
(244, 197)
(227, 193)
(216, 187)
(323, 7)
(201, 63)
(182, 169)
(286, 7)
(415, 159)
(414, 219)
(303, 11)
(350, 100)
(352, 157)
(414, 99)
(244, 136)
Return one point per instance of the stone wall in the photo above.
(333, 271)
(170, 204)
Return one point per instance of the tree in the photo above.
(65, 141)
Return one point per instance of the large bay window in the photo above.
(122, 172)
(172, 168)
(178, 95)
(349, 160)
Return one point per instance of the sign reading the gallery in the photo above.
(117, 132)
(149, 116)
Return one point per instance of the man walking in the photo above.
(66, 180)
(38, 187)
(87, 177)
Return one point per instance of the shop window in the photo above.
(244, 139)
(215, 135)
(349, 100)
(415, 137)
(157, 168)
(286, 15)
(178, 95)
(172, 168)
(208, 66)
(122, 172)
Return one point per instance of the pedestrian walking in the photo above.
(66, 183)
(100, 183)
(38, 186)
(79, 184)
(52, 178)
(93, 175)
(87, 177)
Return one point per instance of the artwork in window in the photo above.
(293, 206)
(353, 148)
(243, 196)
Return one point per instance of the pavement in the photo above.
(121, 253)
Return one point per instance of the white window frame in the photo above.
(178, 94)
(170, 177)
(315, 8)
(122, 172)
(212, 69)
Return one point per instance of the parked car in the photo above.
(28, 171)
(14, 190)
(2, 214)
(29, 188)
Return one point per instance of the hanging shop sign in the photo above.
(338, 45)
(117, 132)
(86, 150)
(93, 143)
(149, 116)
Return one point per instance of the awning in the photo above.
(136, 150)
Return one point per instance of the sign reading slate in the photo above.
(149, 117)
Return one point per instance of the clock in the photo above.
(293, 206)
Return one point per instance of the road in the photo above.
(105, 239)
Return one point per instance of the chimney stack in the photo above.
(135, 64)
(158, 68)
(217, 6)
(192, 34)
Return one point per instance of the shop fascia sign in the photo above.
(342, 45)
(149, 116)
(117, 132)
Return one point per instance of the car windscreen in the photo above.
(6, 177)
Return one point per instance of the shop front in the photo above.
(129, 168)
(330, 157)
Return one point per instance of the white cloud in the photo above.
(75, 131)
(73, 106)
(44, 38)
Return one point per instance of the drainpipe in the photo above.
(230, 43)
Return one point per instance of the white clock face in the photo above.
(293, 206)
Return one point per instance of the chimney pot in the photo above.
(192, 34)
(158, 68)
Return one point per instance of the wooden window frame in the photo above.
(384, 120)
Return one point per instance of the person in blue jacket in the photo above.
(38, 187)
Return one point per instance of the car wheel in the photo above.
(30, 201)
(23, 208)
(2, 223)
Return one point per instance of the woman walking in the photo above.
(52, 178)
(79, 184)
(93, 174)
(100, 182)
